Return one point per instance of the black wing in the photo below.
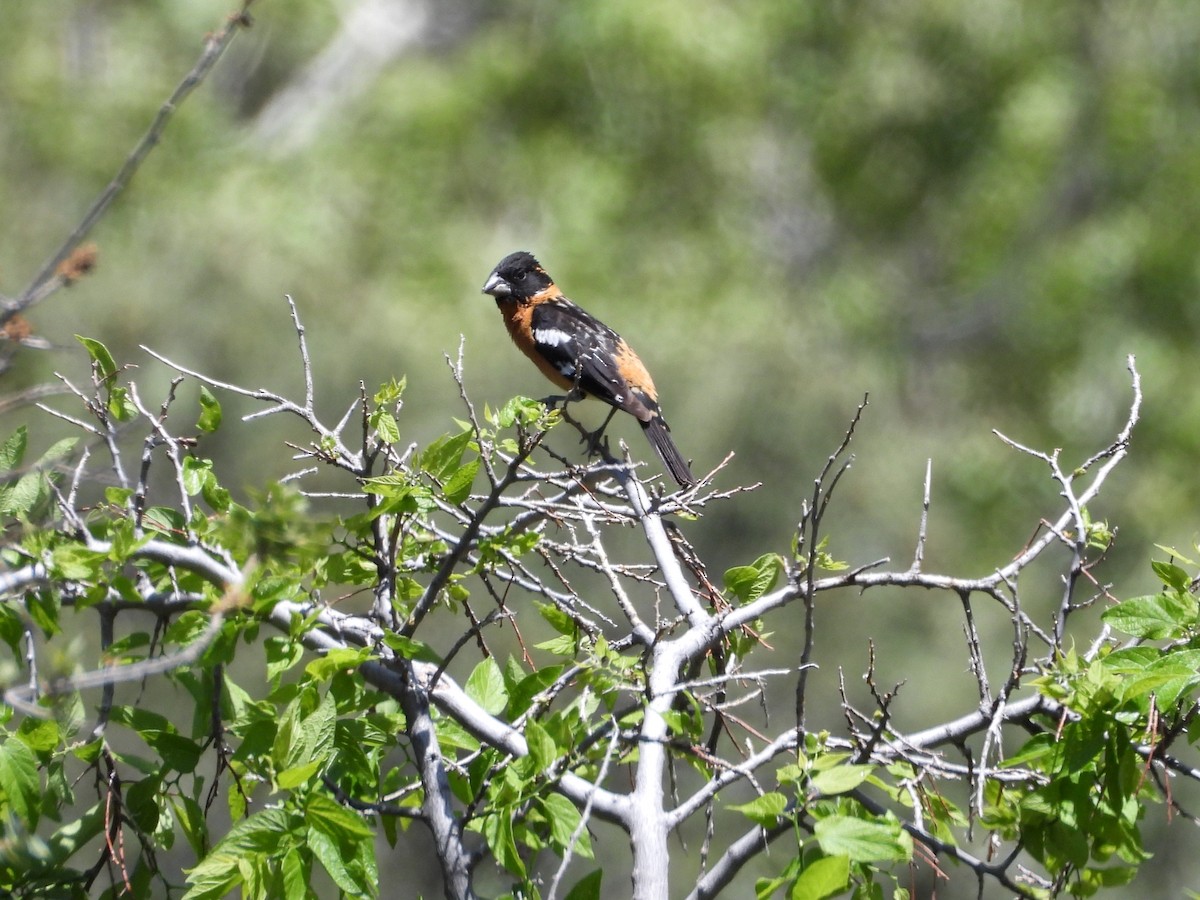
(584, 350)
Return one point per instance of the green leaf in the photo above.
(1110, 877)
(385, 425)
(164, 520)
(559, 646)
(142, 800)
(100, 356)
(411, 648)
(748, 583)
(486, 687)
(215, 876)
(1168, 678)
(75, 562)
(141, 720)
(350, 568)
(841, 779)
(57, 451)
(177, 752)
(1132, 660)
(329, 855)
(1175, 554)
(295, 880)
(12, 627)
(564, 820)
(77, 834)
(542, 748)
(764, 810)
(863, 841)
(399, 495)
(344, 844)
(21, 497)
(1171, 575)
(558, 620)
(39, 735)
(282, 653)
(1067, 842)
(13, 450)
(521, 694)
(190, 818)
(120, 406)
(292, 778)
(1156, 617)
(311, 738)
(389, 394)
(457, 487)
(338, 660)
(216, 496)
(498, 831)
(262, 833)
(525, 411)
(822, 878)
(210, 411)
(44, 608)
(587, 887)
(19, 781)
(196, 473)
(444, 456)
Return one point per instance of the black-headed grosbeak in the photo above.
(577, 351)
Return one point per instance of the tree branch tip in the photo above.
(867, 567)
(725, 461)
(262, 413)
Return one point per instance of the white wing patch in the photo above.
(554, 337)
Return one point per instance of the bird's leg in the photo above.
(593, 438)
(574, 395)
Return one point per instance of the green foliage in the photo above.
(318, 724)
(118, 403)
(210, 411)
(1083, 815)
(748, 583)
(847, 841)
(25, 493)
(314, 757)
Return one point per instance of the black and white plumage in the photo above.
(577, 351)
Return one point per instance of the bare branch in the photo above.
(43, 284)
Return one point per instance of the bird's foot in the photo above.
(596, 443)
(552, 402)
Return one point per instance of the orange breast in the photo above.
(517, 318)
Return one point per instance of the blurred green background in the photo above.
(972, 210)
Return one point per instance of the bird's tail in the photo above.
(660, 438)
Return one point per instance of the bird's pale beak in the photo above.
(497, 286)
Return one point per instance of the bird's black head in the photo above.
(518, 276)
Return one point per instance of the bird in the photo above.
(579, 353)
